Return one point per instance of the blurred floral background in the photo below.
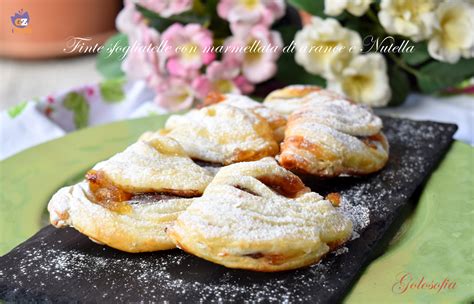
(375, 52)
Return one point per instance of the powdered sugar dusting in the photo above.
(207, 135)
(341, 115)
(156, 277)
(358, 214)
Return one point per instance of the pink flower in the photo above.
(167, 8)
(257, 53)
(245, 86)
(141, 63)
(190, 48)
(128, 18)
(174, 94)
(242, 14)
(90, 90)
(222, 77)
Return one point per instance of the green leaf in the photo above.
(79, 106)
(161, 24)
(17, 109)
(220, 27)
(436, 76)
(314, 7)
(419, 55)
(400, 85)
(112, 90)
(199, 7)
(287, 33)
(109, 59)
(365, 29)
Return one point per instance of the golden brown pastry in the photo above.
(259, 216)
(288, 99)
(276, 121)
(158, 164)
(135, 225)
(127, 201)
(222, 134)
(333, 137)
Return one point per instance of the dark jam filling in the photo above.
(247, 190)
(272, 259)
(256, 255)
(153, 197)
(204, 164)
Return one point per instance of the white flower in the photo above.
(364, 80)
(355, 7)
(410, 18)
(453, 36)
(324, 47)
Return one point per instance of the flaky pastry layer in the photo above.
(244, 221)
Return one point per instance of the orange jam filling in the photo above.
(289, 185)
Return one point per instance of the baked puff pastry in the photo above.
(333, 137)
(288, 99)
(158, 164)
(259, 216)
(276, 121)
(222, 134)
(127, 201)
(135, 225)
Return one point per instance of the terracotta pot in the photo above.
(52, 23)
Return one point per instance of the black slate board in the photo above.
(61, 265)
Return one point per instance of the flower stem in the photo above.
(372, 16)
(403, 65)
(378, 29)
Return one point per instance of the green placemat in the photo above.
(437, 247)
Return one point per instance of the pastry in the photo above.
(222, 134)
(135, 225)
(333, 137)
(259, 216)
(127, 200)
(286, 100)
(158, 164)
(276, 121)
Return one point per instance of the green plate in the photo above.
(435, 244)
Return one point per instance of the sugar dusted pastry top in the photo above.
(245, 220)
(157, 164)
(340, 115)
(223, 134)
(276, 121)
(288, 99)
(137, 226)
(329, 137)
